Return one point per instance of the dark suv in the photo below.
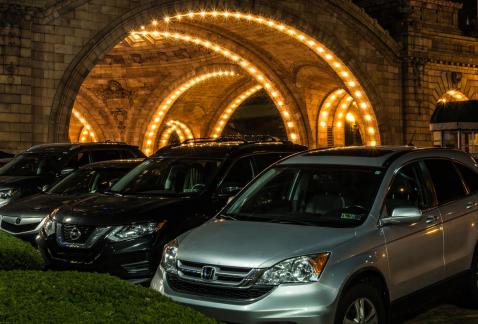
(45, 164)
(181, 187)
(24, 217)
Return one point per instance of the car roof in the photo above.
(380, 156)
(219, 149)
(113, 164)
(63, 147)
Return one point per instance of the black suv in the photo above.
(181, 187)
(24, 217)
(42, 165)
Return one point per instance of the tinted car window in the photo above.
(33, 164)
(408, 190)
(105, 155)
(168, 177)
(469, 176)
(263, 161)
(325, 195)
(79, 159)
(238, 176)
(446, 180)
(87, 181)
(125, 154)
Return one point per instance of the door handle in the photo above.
(431, 219)
(470, 205)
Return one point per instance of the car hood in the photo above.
(39, 205)
(16, 182)
(109, 210)
(256, 244)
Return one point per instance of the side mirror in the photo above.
(403, 215)
(229, 190)
(67, 171)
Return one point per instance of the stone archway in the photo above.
(333, 56)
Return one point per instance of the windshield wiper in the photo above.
(291, 221)
(228, 217)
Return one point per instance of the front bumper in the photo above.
(288, 304)
(133, 260)
(23, 228)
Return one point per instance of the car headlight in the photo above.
(296, 270)
(122, 233)
(168, 260)
(6, 195)
(49, 226)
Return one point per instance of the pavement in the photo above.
(446, 313)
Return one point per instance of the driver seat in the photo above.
(324, 203)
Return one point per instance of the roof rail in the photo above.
(246, 139)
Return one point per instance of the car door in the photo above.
(458, 208)
(415, 251)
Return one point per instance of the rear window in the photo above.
(447, 181)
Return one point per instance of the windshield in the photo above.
(87, 181)
(168, 176)
(34, 164)
(336, 196)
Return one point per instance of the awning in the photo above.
(456, 115)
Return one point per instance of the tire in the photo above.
(365, 296)
(472, 284)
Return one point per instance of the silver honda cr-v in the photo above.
(331, 236)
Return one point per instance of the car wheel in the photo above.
(361, 304)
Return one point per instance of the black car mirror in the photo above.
(66, 171)
(229, 191)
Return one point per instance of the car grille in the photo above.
(232, 276)
(70, 233)
(233, 293)
(13, 228)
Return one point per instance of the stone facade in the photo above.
(82, 55)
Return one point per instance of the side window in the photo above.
(446, 180)
(238, 176)
(408, 190)
(79, 159)
(125, 154)
(105, 155)
(263, 161)
(470, 177)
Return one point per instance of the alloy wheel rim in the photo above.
(361, 311)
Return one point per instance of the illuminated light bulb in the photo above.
(325, 114)
(286, 114)
(281, 27)
(363, 105)
(214, 13)
(336, 64)
(344, 106)
(368, 117)
(166, 19)
(373, 143)
(339, 124)
(203, 14)
(459, 96)
(341, 115)
(329, 57)
(293, 136)
(267, 86)
(333, 97)
(249, 17)
(320, 49)
(311, 43)
(280, 103)
(344, 74)
(260, 78)
(244, 63)
(148, 151)
(85, 132)
(155, 33)
(226, 14)
(271, 23)
(274, 94)
(301, 37)
(452, 92)
(291, 32)
(327, 104)
(358, 94)
(341, 91)
(83, 138)
(149, 142)
(218, 129)
(349, 99)
(92, 134)
(350, 117)
(238, 15)
(82, 120)
(252, 70)
(154, 126)
(290, 124)
(142, 27)
(323, 124)
(151, 134)
(371, 130)
(234, 57)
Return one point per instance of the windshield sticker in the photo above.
(350, 216)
